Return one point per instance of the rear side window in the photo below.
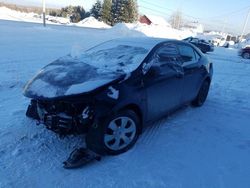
(188, 55)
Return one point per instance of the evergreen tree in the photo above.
(132, 9)
(114, 10)
(124, 11)
(106, 12)
(78, 14)
(96, 10)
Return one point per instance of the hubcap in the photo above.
(120, 133)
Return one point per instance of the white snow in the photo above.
(9, 14)
(92, 22)
(42, 89)
(158, 20)
(196, 147)
(160, 27)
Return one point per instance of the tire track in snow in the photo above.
(152, 132)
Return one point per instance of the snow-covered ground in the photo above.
(207, 147)
(158, 29)
(13, 15)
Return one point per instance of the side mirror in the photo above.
(154, 71)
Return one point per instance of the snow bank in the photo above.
(142, 30)
(8, 14)
(92, 22)
(123, 29)
(59, 20)
(161, 31)
(159, 28)
(13, 15)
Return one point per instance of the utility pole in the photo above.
(245, 25)
(44, 12)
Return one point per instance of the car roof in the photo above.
(148, 41)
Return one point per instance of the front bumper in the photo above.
(57, 118)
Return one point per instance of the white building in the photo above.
(194, 27)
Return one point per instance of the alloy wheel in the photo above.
(120, 133)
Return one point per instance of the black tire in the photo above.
(246, 55)
(202, 95)
(99, 137)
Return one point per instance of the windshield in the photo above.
(115, 56)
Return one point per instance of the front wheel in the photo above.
(115, 135)
(202, 95)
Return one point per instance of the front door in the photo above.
(163, 82)
(193, 72)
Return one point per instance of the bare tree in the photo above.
(176, 19)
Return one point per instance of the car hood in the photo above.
(65, 77)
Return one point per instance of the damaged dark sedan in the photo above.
(111, 91)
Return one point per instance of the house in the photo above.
(151, 19)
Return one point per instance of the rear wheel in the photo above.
(202, 95)
(246, 55)
(115, 135)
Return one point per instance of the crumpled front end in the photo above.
(62, 117)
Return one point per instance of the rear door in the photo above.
(163, 82)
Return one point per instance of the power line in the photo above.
(168, 9)
(191, 16)
(205, 21)
(149, 3)
(154, 10)
(229, 13)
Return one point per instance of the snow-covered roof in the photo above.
(158, 20)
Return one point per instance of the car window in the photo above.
(168, 54)
(195, 40)
(188, 55)
(167, 58)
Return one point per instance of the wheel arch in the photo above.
(207, 79)
(135, 108)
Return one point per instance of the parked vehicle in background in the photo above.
(112, 90)
(201, 44)
(245, 52)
